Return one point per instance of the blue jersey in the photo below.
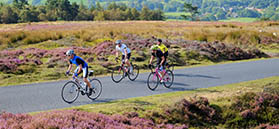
(77, 61)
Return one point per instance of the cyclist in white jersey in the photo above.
(126, 53)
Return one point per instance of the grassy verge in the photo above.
(221, 95)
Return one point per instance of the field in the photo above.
(240, 20)
(35, 52)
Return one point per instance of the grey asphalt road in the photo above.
(46, 96)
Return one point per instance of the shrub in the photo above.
(254, 109)
(195, 113)
(77, 119)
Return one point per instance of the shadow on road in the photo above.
(196, 75)
(101, 100)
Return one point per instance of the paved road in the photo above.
(46, 96)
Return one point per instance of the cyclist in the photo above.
(82, 66)
(163, 48)
(126, 53)
(161, 61)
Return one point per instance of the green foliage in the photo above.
(189, 8)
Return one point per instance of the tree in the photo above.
(29, 14)
(193, 11)
(145, 14)
(19, 4)
(157, 15)
(135, 14)
(221, 14)
(8, 15)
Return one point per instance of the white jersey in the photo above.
(123, 48)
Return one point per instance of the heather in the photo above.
(78, 119)
(35, 62)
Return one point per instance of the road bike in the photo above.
(170, 65)
(72, 88)
(155, 78)
(120, 72)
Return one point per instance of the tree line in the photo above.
(54, 10)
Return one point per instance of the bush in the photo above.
(77, 119)
(254, 109)
(195, 113)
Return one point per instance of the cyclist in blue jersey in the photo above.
(82, 66)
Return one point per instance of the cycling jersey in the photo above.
(159, 54)
(123, 48)
(163, 48)
(77, 61)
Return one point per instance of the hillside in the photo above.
(210, 10)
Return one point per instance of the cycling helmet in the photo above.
(160, 40)
(154, 47)
(70, 52)
(117, 41)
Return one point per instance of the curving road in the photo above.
(46, 96)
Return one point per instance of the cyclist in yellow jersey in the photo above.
(163, 48)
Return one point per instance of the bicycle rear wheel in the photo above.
(133, 75)
(117, 74)
(97, 89)
(152, 81)
(170, 66)
(168, 79)
(70, 92)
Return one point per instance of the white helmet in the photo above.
(117, 41)
(70, 52)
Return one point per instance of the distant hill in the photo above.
(210, 9)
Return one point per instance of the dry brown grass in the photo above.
(238, 33)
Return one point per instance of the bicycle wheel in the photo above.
(133, 75)
(152, 81)
(117, 75)
(170, 66)
(70, 92)
(168, 79)
(97, 85)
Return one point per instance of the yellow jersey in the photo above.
(163, 48)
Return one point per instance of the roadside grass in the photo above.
(219, 95)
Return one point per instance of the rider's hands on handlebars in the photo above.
(67, 73)
(149, 66)
(76, 74)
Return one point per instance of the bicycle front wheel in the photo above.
(168, 79)
(70, 92)
(134, 74)
(152, 81)
(117, 74)
(97, 89)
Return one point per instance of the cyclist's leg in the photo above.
(85, 76)
(127, 60)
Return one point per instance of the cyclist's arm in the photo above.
(70, 67)
(151, 59)
(116, 54)
(126, 53)
(80, 68)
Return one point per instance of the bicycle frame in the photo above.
(157, 73)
